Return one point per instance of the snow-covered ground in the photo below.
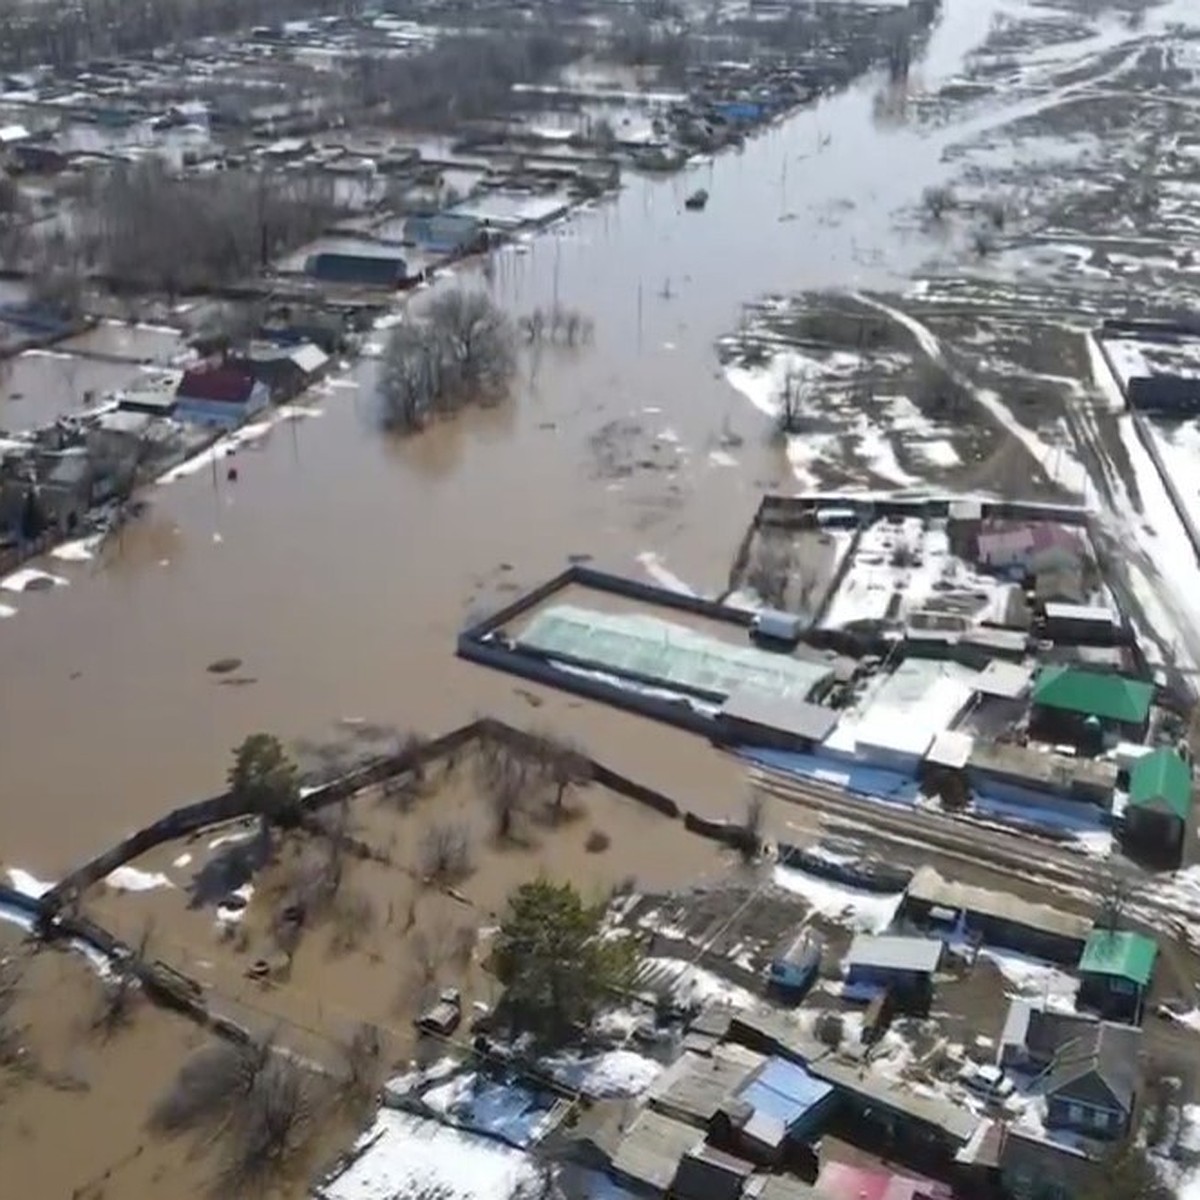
(604, 1076)
(865, 912)
(691, 986)
(131, 879)
(409, 1156)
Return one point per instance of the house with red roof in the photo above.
(219, 393)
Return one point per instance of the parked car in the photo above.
(443, 1018)
(988, 1082)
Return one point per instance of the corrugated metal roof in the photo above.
(785, 1091)
(1091, 613)
(1119, 953)
(895, 953)
(650, 1151)
(796, 717)
(1162, 780)
(1110, 697)
(694, 1088)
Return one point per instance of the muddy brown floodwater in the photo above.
(341, 564)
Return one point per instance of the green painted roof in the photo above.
(1093, 693)
(1162, 780)
(1128, 955)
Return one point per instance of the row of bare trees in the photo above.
(462, 350)
(144, 225)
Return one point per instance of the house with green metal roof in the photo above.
(1160, 801)
(1115, 973)
(1086, 707)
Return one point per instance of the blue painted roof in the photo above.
(784, 1090)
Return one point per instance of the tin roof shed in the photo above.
(1119, 953)
(1162, 781)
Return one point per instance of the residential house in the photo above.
(285, 370)
(1033, 1035)
(1160, 802)
(902, 967)
(1028, 548)
(997, 918)
(382, 270)
(1115, 973)
(65, 489)
(1091, 1086)
(780, 1106)
(219, 394)
(1088, 708)
(845, 1181)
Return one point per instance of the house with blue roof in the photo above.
(780, 1106)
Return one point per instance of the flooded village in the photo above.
(600, 600)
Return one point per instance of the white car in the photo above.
(988, 1082)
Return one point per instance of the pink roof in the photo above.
(841, 1181)
(228, 384)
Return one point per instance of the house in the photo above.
(780, 1104)
(66, 488)
(1091, 1085)
(1115, 972)
(648, 1152)
(795, 965)
(998, 918)
(1087, 708)
(1033, 1035)
(1160, 802)
(903, 967)
(1027, 549)
(1032, 1167)
(845, 1181)
(751, 717)
(219, 394)
(358, 269)
(285, 370)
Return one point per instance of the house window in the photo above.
(1100, 1118)
(1075, 1114)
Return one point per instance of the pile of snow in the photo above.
(604, 1076)
(131, 879)
(80, 550)
(690, 986)
(403, 1155)
(865, 912)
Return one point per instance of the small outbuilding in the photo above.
(903, 967)
(1160, 802)
(1081, 624)
(751, 717)
(780, 1104)
(795, 965)
(1115, 973)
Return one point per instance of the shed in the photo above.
(755, 718)
(1115, 971)
(786, 1103)
(903, 967)
(796, 963)
(1028, 775)
(1160, 802)
(366, 270)
(649, 1153)
(999, 918)
(951, 749)
(695, 1088)
(706, 1173)
(1082, 623)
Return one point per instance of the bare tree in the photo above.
(354, 917)
(211, 1085)
(445, 852)
(410, 382)
(10, 1033)
(750, 840)
(478, 343)
(362, 1057)
(938, 200)
(770, 571)
(506, 777)
(791, 404)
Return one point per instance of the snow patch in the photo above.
(658, 571)
(605, 1076)
(27, 884)
(131, 879)
(27, 577)
(866, 912)
(80, 550)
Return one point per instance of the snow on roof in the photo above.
(1005, 679)
(309, 358)
(919, 700)
(403, 1154)
(951, 748)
